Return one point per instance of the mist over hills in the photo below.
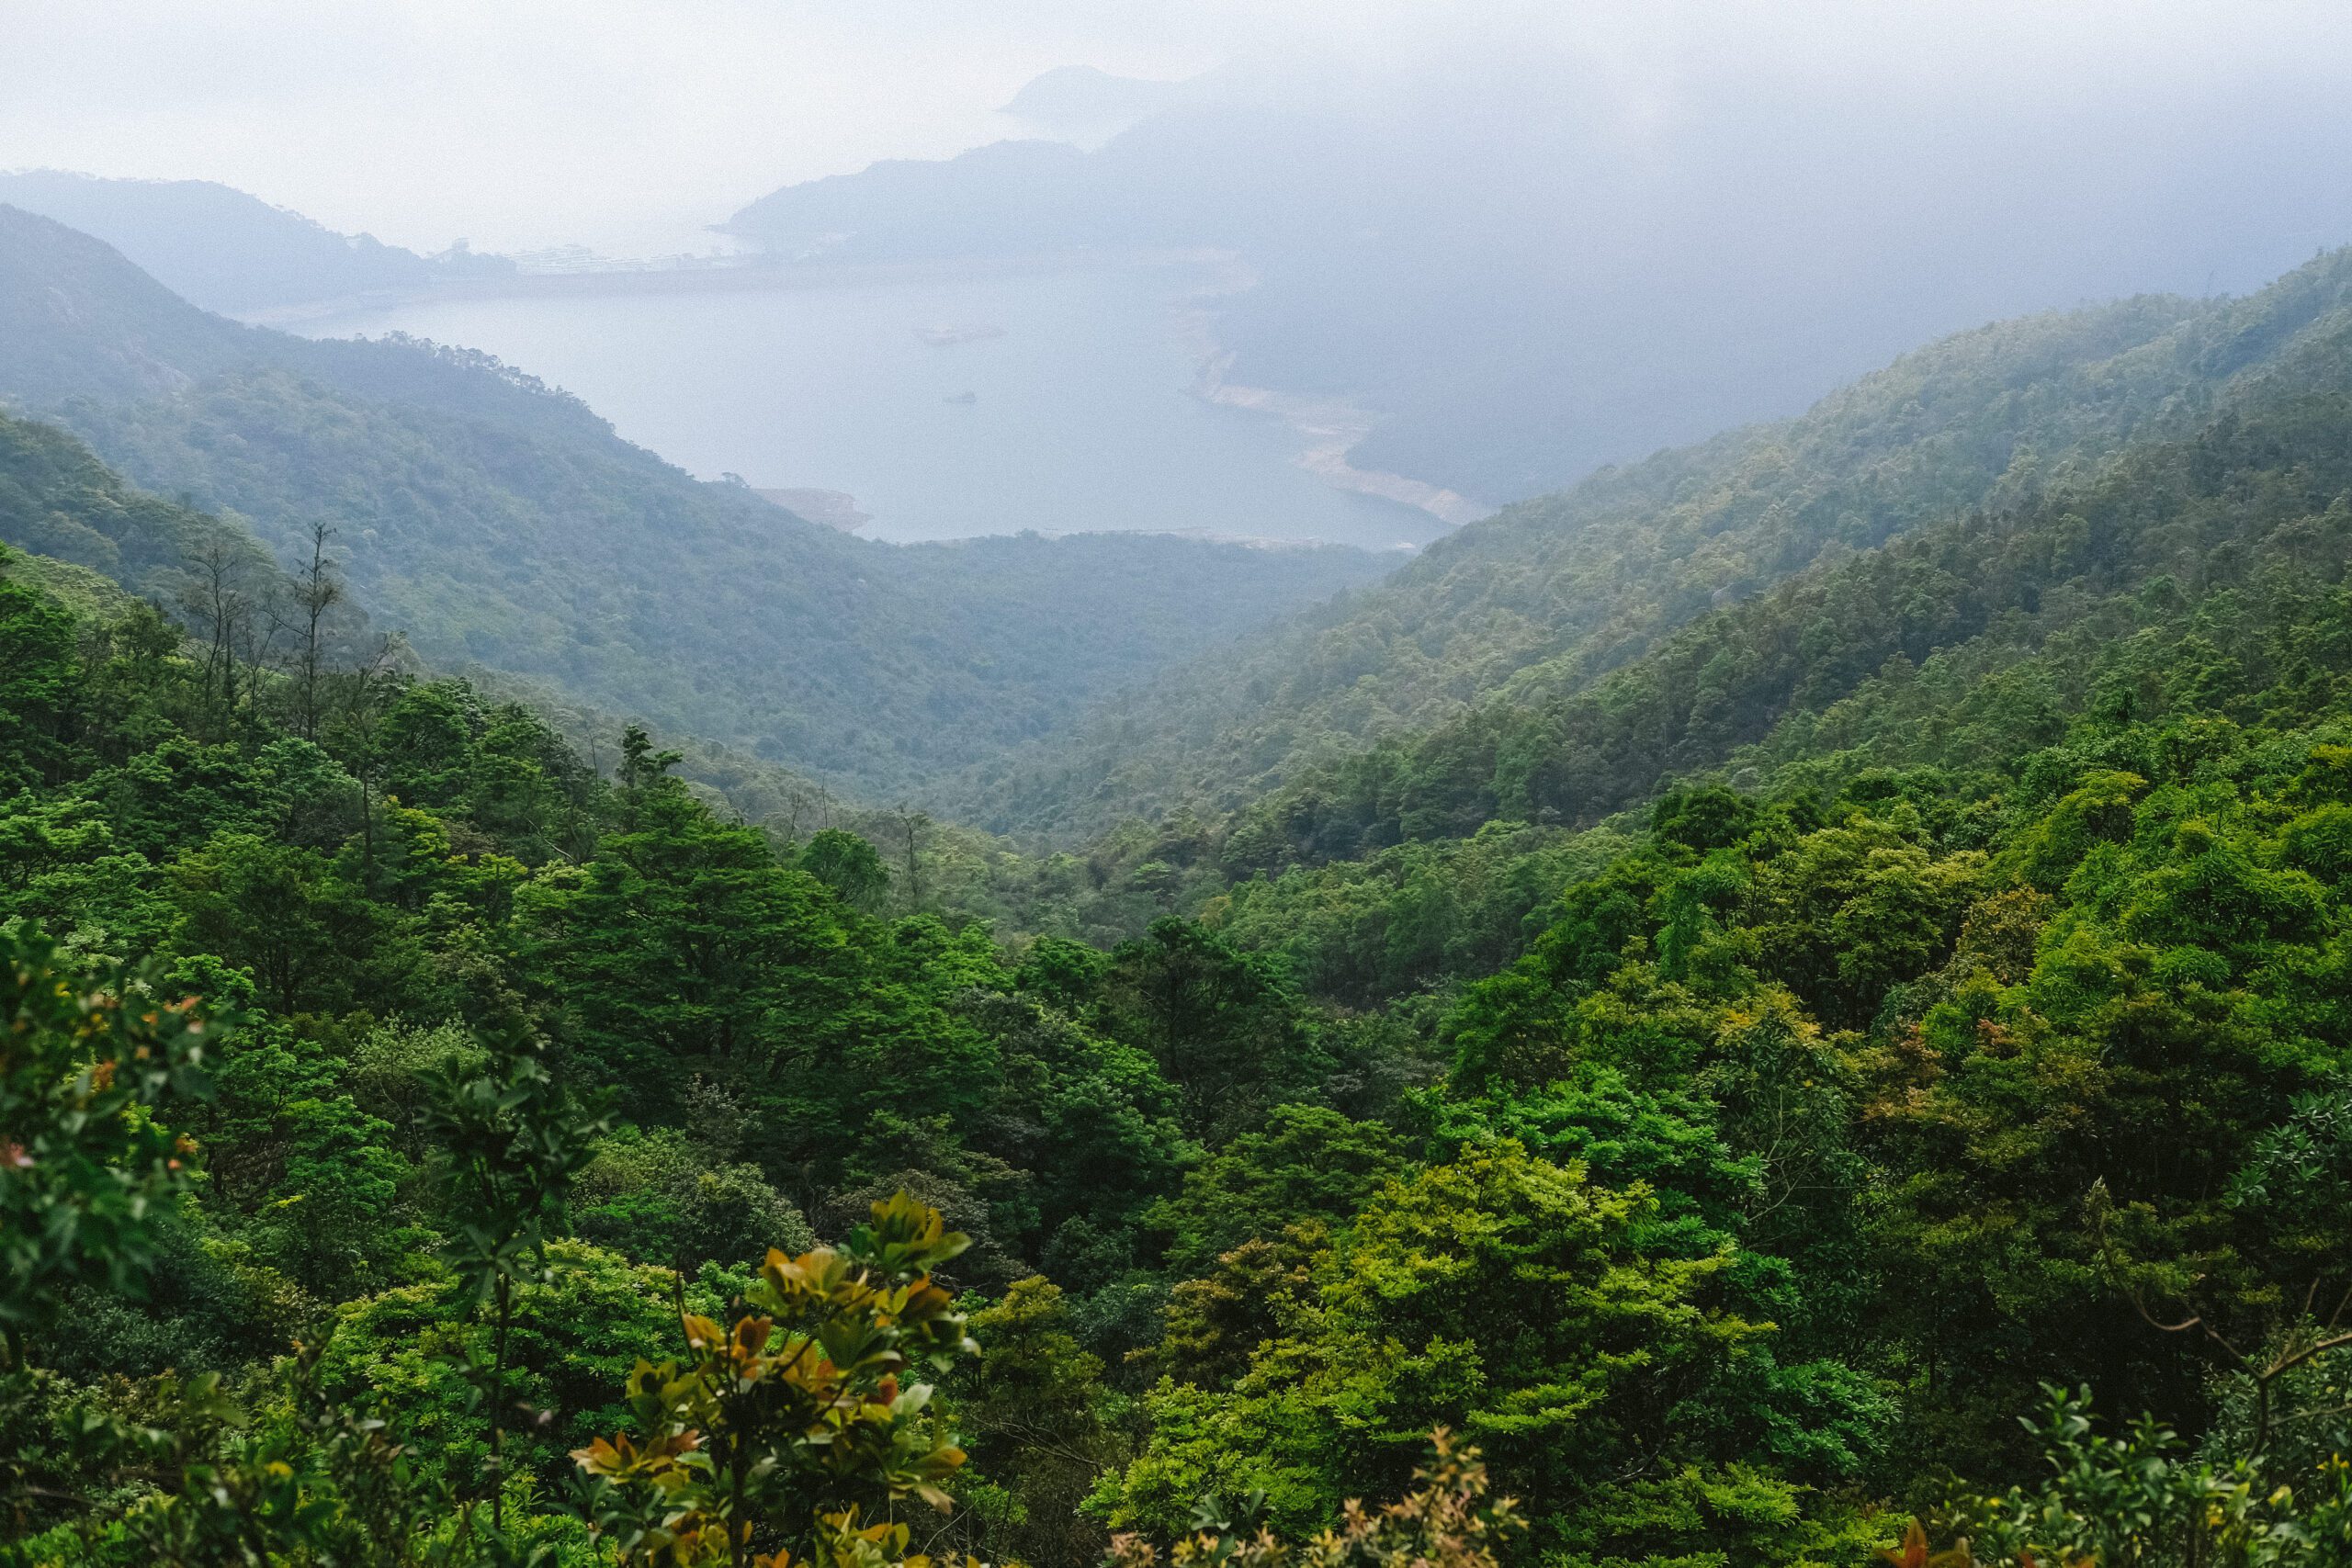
(1531, 269)
(228, 251)
(1079, 102)
(1540, 603)
(502, 522)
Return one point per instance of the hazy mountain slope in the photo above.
(2187, 512)
(59, 501)
(2200, 577)
(76, 320)
(1554, 592)
(503, 524)
(1528, 266)
(222, 249)
(1006, 198)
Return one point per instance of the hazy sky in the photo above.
(525, 122)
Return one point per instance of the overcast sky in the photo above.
(520, 123)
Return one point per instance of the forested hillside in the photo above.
(500, 523)
(1877, 1055)
(58, 500)
(1550, 595)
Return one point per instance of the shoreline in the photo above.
(1333, 426)
(1330, 426)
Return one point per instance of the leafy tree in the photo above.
(1418, 1318)
(693, 941)
(515, 1140)
(1041, 1426)
(312, 941)
(36, 652)
(1307, 1164)
(848, 864)
(1224, 1026)
(2138, 1498)
(787, 1431)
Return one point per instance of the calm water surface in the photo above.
(1076, 417)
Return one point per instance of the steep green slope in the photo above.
(1551, 595)
(2203, 577)
(57, 500)
(2189, 508)
(504, 523)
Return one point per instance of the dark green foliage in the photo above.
(1946, 1002)
(36, 651)
(1222, 1025)
(848, 864)
(87, 1174)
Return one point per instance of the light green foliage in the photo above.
(1426, 1314)
(663, 1198)
(1307, 1164)
(1444, 1522)
(578, 1324)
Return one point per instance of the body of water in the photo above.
(1055, 399)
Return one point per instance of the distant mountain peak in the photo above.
(1084, 103)
(226, 250)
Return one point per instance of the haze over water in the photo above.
(1079, 415)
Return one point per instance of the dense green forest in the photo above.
(1864, 1068)
(1556, 593)
(502, 525)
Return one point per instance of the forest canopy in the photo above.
(1867, 1071)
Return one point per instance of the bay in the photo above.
(1058, 400)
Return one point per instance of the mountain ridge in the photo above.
(1554, 592)
(228, 251)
